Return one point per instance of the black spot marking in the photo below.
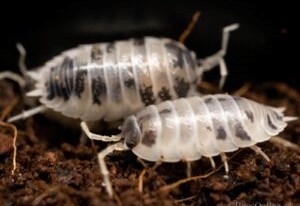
(278, 117)
(181, 87)
(129, 83)
(69, 75)
(139, 41)
(65, 93)
(237, 98)
(221, 99)
(116, 93)
(147, 95)
(270, 123)
(98, 89)
(208, 128)
(165, 111)
(149, 138)
(49, 86)
(208, 100)
(79, 82)
(240, 132)
(60, 83)
(221, 133)
(96, 53)
(54, 84)
(164, 94)
(56, 81)
(177, 52)
(250, 115)
(66, 82)
(110, 47)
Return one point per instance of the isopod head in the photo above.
(131, 132)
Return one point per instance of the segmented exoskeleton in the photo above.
(112, 80)
(189, 128)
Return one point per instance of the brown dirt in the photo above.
(55, 168)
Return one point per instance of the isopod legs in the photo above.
(225, 40)
(101, 155)
(113, 138)
(224, 160)
(223, 72)
(257, 150)
(218, 58)
(188, 169)
(212, 162)
(103, 168)
(27, 113)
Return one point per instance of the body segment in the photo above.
(112, 80)
(188, 128)
(120, 77)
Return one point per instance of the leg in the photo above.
(225, 37)
(113, 138)
(188, 169)
(103, 168)
(224, 159)
(141, 176)
(225, 40)
(27, 113)
(157, 164)
(218, 58)
(257, 150)
(140, 160)
(212, 162)
(223, 72)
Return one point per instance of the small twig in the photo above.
(8, 109)
(182, 181)
(190, 27)
(185, 199)
(244, 89)
(209, 87)
(283, 88)
(117, 198)
(46, 193)
(13, 127)
(140, 183)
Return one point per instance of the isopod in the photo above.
(189, 128)
(113, 80)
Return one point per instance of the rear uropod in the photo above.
(113, 80)
(188, 128)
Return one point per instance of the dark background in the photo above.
(261, 50)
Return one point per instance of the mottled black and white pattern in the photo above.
(188, 128)
(112, 80)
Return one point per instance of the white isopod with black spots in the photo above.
(189, 128)
(112, 80)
